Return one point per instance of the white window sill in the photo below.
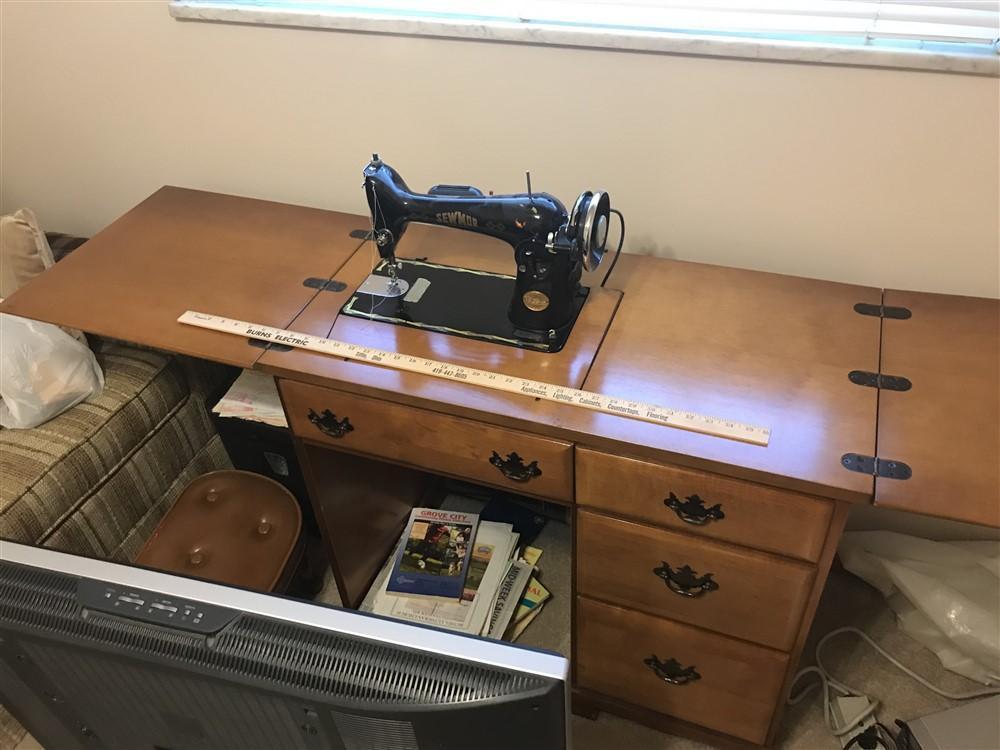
(930, 57)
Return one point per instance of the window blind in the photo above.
(959, 21)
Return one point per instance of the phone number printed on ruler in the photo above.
(585, 399)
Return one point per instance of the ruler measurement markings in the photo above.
(651, 413)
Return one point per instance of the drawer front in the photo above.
(439, 443)
(730, 590)
(750, 514)
(716, 682)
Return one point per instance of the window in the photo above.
(957, 35)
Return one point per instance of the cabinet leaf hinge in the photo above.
(875, 466)
(878, 380)
(883, 311)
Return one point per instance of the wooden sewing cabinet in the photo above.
(698, 561)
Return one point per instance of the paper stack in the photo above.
(501, 593)
(535, 596)
(254, 396)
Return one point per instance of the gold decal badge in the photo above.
(535, 300)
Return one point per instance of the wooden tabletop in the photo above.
(187, 249)
(760, 348)
(946, 428)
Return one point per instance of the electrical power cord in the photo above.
(621, 241)
(875, 737)
(828, 682)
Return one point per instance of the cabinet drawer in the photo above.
(431, 441)
(731, 686)
(742, 512)
(730, 590)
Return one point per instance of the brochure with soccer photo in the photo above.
(435, 557)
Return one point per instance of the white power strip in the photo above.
(841, 711)
(844, 709)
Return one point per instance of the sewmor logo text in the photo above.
(456, 219)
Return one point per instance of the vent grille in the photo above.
(349, 669)
(367, 733)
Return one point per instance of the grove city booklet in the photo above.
(434, 557)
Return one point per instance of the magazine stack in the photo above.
(453, 571)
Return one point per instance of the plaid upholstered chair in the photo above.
(97, 479)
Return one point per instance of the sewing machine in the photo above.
(552, 248)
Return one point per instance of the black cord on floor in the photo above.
(875, 737)
(621, 241)
(887, 738)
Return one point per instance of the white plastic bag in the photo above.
(43, 372)
(946, 595)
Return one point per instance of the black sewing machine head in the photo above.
(551, 246)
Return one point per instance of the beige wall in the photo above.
(874, 176)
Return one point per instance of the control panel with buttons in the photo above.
(151, 607)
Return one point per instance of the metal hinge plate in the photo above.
(877, 380)
(883, 311)
(876, 467)
(324, 285)
(271, 346)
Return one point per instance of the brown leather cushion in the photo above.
(227, 526)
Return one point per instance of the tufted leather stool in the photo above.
(231, 527)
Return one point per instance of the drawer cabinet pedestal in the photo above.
(694, 594)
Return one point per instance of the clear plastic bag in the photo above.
(946, 595)
(43, 372)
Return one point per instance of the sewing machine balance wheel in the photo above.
(589, 220)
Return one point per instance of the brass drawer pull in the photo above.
(685, 581)
(692, 510)
(671, 671)
(328, 424)
(514, 468)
